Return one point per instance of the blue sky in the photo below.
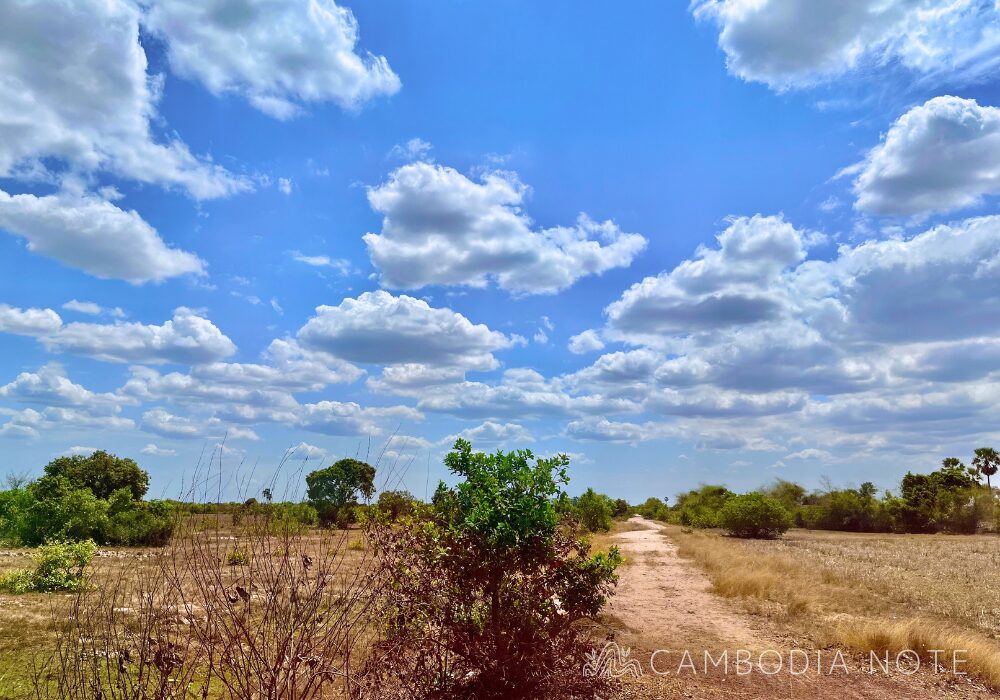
(719, 242)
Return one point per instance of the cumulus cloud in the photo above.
(736, 284)
(414, 149)
(31, 322)
(161, 422)
(939, 156)
(380, 328)
(306, 451)
(76, 91)
(30, 423)
(798, 43)
(188, 338)
(585, 342)
(440, 227)
(95, 236)
(491, 432)
(50, 386)
(278, 55)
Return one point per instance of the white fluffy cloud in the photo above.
(50, 386)
(491, 432)
(940, 156)
(187, 338)
(737, 284)
(75, 89)
(31, 322)
(798, 43)
(95, 236)
(89, 308)
(587, 341)
(380, 328)
(278, 54)
(440, 227)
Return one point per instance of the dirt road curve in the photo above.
(665, 603)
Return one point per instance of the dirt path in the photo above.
(666, 603)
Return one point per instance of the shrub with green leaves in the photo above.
(487, 596)
(594, 511)
(59, 566)
(754, 515)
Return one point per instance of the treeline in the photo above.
(952, 499)
(98, 497)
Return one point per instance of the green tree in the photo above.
(333, 490)
(101, 472)
(986, 461)
(396, 504)
(594, 511)
(754, 515)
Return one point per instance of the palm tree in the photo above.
(986, 461)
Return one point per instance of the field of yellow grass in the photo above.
(876, 592)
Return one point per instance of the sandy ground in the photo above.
(666, 603)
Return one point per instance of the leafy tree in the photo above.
(700, 508)
(754, 515)
(335, 489)
(986, 461)
(594, 511)
(396, 504)
(101, 472)
(620, 508)
(488, 595)
(654, 509)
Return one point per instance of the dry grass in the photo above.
(867, 592)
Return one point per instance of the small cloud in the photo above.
(810, 454)
(541, 337)
(547, 323)
(80, 450)
(831, 203)
(306, 451)
(156, 451)
(414, 149)
(285, 185)
(585, 342)
(341, 265)
(91, 309)
(277, 307)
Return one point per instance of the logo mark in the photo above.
(612, 661)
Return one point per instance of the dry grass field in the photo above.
(864, 591)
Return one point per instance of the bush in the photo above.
(396, 504)
(701, 507)
(59, 566)
(485, 599)
(754, 515)
(594, 511)
(101, 473)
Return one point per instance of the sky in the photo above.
(720, 242)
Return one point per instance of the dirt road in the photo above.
(666, 603)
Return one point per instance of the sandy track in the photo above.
(665, 602)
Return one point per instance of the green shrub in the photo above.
(59, 566)
(754, 515)
(594, 511)
(238, 557)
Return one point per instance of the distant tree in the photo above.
(332, 490)
(594, 511)
(754, 515)
(268, 496)
(396, 504)
(986, 461)
(620, 508)
(101, 472)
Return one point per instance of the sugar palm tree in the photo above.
(986, 461)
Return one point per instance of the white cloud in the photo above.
(188, 338)
(440, 227)
(91, 309)
(540, 337)
(799, 43)
(154, 450)
(50, 386)
(736, 284)
(414, 149)
(95, 236)
(32, 322)
(306, 451)
(75, 89)
(380, 328)
(278, 55)
(810, 454)
(940, 156)
(166, 424)
(341, 265)
(284, 185)
(491, 432)
(288, 367)
(79, 450)
(30, 423)
(340, 418)
(585, 342)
